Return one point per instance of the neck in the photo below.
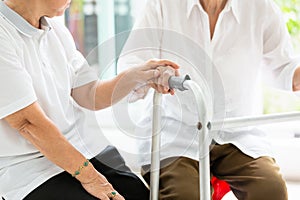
(28, 10)
(213, 6)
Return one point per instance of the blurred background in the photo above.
(93, 22)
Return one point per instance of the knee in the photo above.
(179, 192)
(180, 180)
(273, 188)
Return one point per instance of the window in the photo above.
(96, 22)
(279, 101)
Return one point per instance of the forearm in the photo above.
(101, 94)
(111, 91)
(296, 80)
(34, 126)
(53, 145)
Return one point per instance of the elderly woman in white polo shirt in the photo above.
(230, 42)
(44, 137)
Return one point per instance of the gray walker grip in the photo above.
(176, 82)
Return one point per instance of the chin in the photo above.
(57, 14)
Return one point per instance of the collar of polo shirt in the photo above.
(20, 23)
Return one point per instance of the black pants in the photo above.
(64, 187)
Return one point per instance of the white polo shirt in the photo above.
(250, 38)
(40, 65)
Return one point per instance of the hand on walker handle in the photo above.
(162, 82)
(153, 73)
(165, 69)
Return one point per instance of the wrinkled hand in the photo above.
(99, 187)
(296, 80)
(161, 84)
(154, 73)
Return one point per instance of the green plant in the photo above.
(274, 100)
(278, 101)
(291, 10)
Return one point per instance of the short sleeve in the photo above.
(16, 88)
(82, 72)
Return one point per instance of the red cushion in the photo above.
(220, 188)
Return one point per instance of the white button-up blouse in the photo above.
(250, 44)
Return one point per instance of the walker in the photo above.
(205, 125)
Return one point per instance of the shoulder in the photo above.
(174, 4)
(9, 36)
(167, 4)
(61, 32)
(266, 6)
(259, 11)
(6, 28)
(58, 26)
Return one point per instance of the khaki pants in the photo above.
(249, 179)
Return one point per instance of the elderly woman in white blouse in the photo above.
(241, 39)
(46, 149)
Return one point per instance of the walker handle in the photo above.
(176, 82)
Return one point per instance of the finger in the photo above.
(118, 197)
(156, 87)
(154, 63)
(165, 79)
(153, 80)
(166, 74)
(106, 186)
(150, 74)
(152, 85)
(150, 64)
(161, 89)
(172, 91)
(103, 197)
(165, 62)
(160, 78)
(114, 195)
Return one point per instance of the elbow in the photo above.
(296, 80)
(18, 123)
(296, 87)
(24, 129)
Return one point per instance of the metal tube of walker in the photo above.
(254, 120)
(181, 83)
(176, 83)
(205, 141)
(155, 149)
(204, 112)
(184, 83)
